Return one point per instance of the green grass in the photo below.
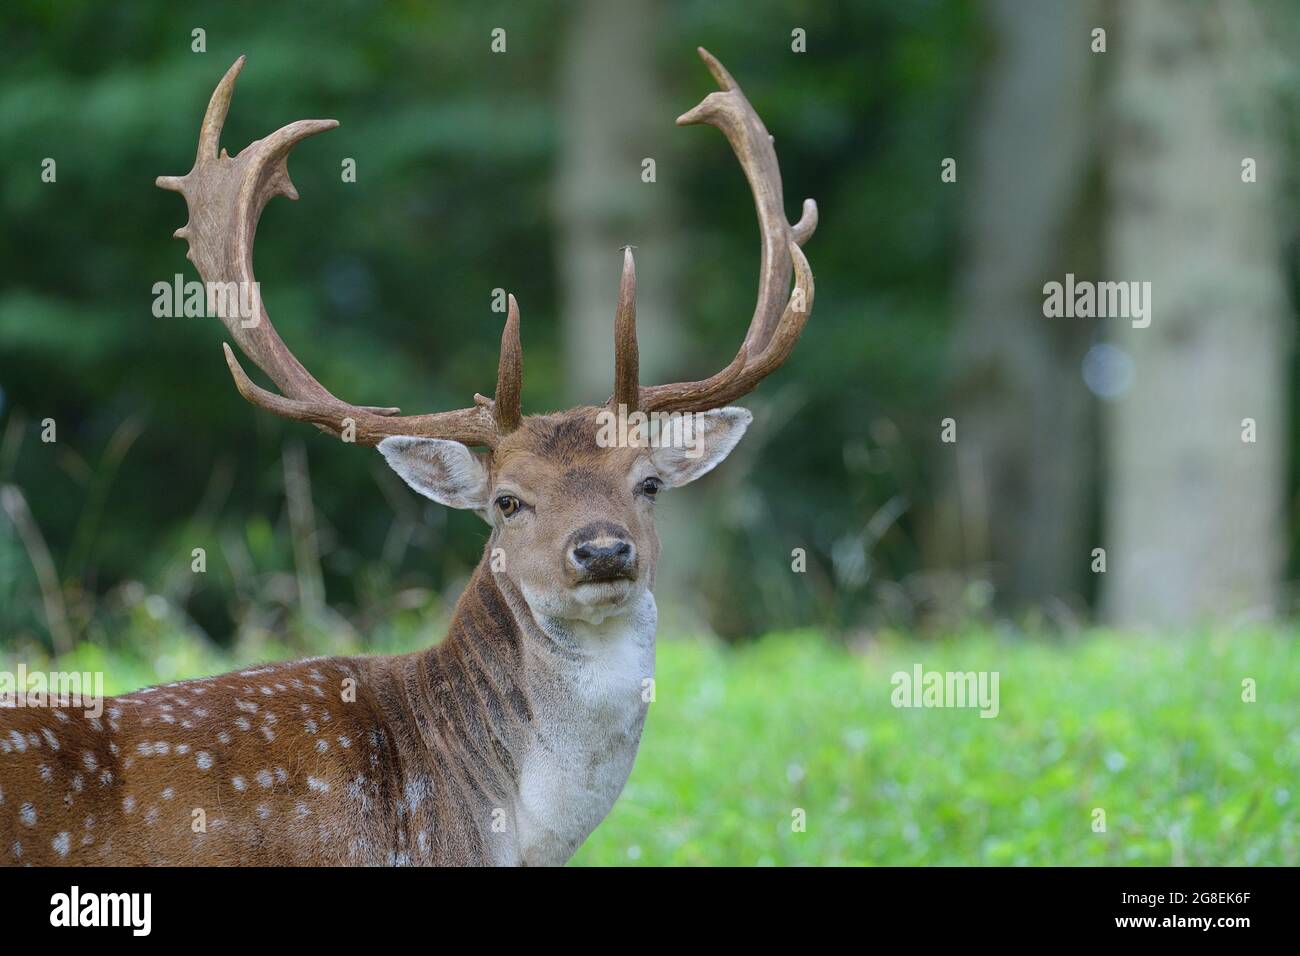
(1153, 732)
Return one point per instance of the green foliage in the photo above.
(1152, 731)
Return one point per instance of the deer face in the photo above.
(572, 516)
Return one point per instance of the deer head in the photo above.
(569, 496)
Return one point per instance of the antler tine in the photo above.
(225, 196)
(627, 356)
(510, 374)
(773, 328)
(214, 118)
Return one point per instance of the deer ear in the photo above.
(698, 442)
(445, 471)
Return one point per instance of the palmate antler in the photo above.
(774, 329)
(226, 196)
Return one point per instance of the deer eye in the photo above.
(650, 487)
(508, 504)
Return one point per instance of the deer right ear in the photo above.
(445, 471)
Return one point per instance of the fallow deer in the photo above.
(507, 742)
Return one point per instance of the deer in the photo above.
(508, 741)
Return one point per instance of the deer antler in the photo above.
(773, 330)
(226, 196)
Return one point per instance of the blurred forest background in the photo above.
(478, 170)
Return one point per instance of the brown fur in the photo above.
(405, 769)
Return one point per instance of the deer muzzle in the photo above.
(601, 552)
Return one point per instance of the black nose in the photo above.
(604, 560)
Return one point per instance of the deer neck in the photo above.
(563, 703)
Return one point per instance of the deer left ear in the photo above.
(445, 471)
(696, 444)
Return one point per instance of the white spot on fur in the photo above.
(61, 844)
(27, 813)
(203, 759)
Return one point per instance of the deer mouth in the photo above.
(611, 589)
(607, 577)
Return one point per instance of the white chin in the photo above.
(591, 602)
(603, 596)
(603, 591)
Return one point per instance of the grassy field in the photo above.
(1155, 733)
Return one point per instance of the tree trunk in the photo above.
(1195, 518)
(1014, 496)
(615, 117)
